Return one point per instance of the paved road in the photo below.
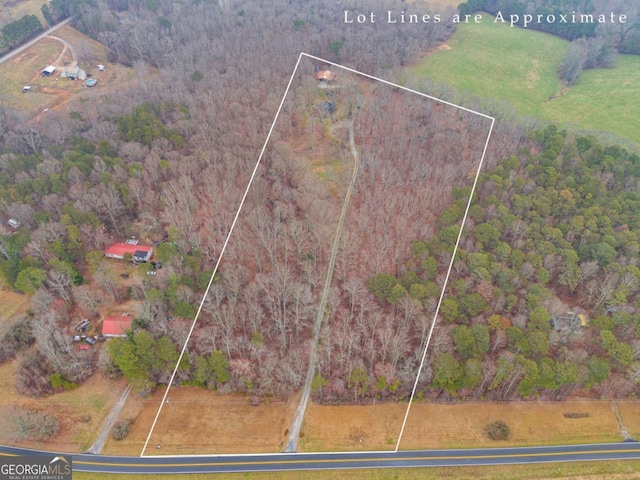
(335, 461)
(31, 42)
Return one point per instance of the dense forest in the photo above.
(543, 298)
(167, 160)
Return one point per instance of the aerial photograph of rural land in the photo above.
(311, 239)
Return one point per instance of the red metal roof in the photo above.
(117, 250)
(116, 326)
(326, 75)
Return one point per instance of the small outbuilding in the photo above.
(101, 68)
(116, 326)
(48, 71)
(13, 223)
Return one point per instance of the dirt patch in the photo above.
(54, 91)
(81, 411)
(376, 427)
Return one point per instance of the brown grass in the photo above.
(630, 414)
(81, 411)
(197, 421)
(376, 427)
(12, 303)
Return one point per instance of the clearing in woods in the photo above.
(12, 303)
(51, 93)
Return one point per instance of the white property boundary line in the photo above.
(444, 286)
(244, 197)
(224, 247)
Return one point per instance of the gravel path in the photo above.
(108, 423)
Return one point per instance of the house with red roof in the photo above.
(116, 326)
(326, 76)
(139, 253)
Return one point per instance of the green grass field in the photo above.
(22, 8)
(492, 60)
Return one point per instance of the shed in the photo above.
(116, 326)
(48, 70)
(101, 68)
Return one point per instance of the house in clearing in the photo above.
(326, 76)
(139, 253)
(116, 326)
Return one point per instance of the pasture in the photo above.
(518, 67)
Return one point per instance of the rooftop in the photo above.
(116, 326)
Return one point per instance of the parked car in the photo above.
(90, 340)
(82, 325)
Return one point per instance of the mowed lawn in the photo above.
(517, 66)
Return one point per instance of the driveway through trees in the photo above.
(292, 443)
